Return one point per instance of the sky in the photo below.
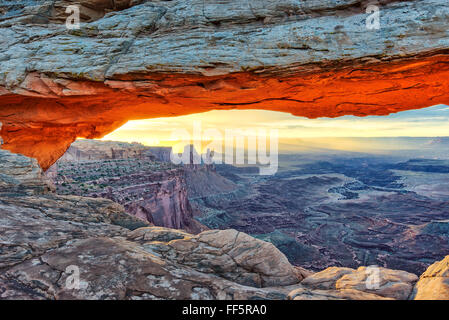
(427, 122)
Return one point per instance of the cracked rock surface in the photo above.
(118, 257)
(434, 283)
(135, 59)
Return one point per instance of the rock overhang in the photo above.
(150, 59)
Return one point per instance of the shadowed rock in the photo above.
(21, 174)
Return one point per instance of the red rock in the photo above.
(310, 59)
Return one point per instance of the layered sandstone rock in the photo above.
(114, 268)
(21, 174)
(434, 283)
(303, 293)
(126, 173)
(43, 234)
(142, 59)
(82, 150)
(387, 283)
(371, 283)
(34, 220)
(162, 154)
(226, 253)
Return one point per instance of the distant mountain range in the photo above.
(433, 147)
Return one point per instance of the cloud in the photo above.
(427, 122)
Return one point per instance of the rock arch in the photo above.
(147, 59)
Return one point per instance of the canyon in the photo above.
(341, 209)
(140, 178)
(121, 257)
(135, 59)
(323, 209)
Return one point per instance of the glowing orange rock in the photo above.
(43, 126)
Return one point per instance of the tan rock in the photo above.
(377, 281)
(345, 294)
(434, 282)
(380, 281)
(229, 254)
(302, 273)
(115, 268)
(326, 279)
(157, 234)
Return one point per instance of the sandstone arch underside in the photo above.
(136, 59)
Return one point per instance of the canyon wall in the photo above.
(162, 154)
(157, 197)
(144, 59)
(126, 173)
(102, 150)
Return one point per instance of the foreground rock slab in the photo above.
(114, 268)
(372, 283)
(43, 235)
(434, 283)
(230, 254)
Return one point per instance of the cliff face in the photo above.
(162, 154)
(203, 181)
(160, 199)
(82, 150)
(156, 192)
(143, 59)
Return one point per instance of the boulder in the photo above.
(326, 279)
(230, 254)
(434, 283)
(362, 283)
(384, 282)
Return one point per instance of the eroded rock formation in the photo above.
(41, 234)
(21, 174)
(361, 284)
(128, 173)
(151, 191)
(84, 150)
(434, 283)
(143, 59)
